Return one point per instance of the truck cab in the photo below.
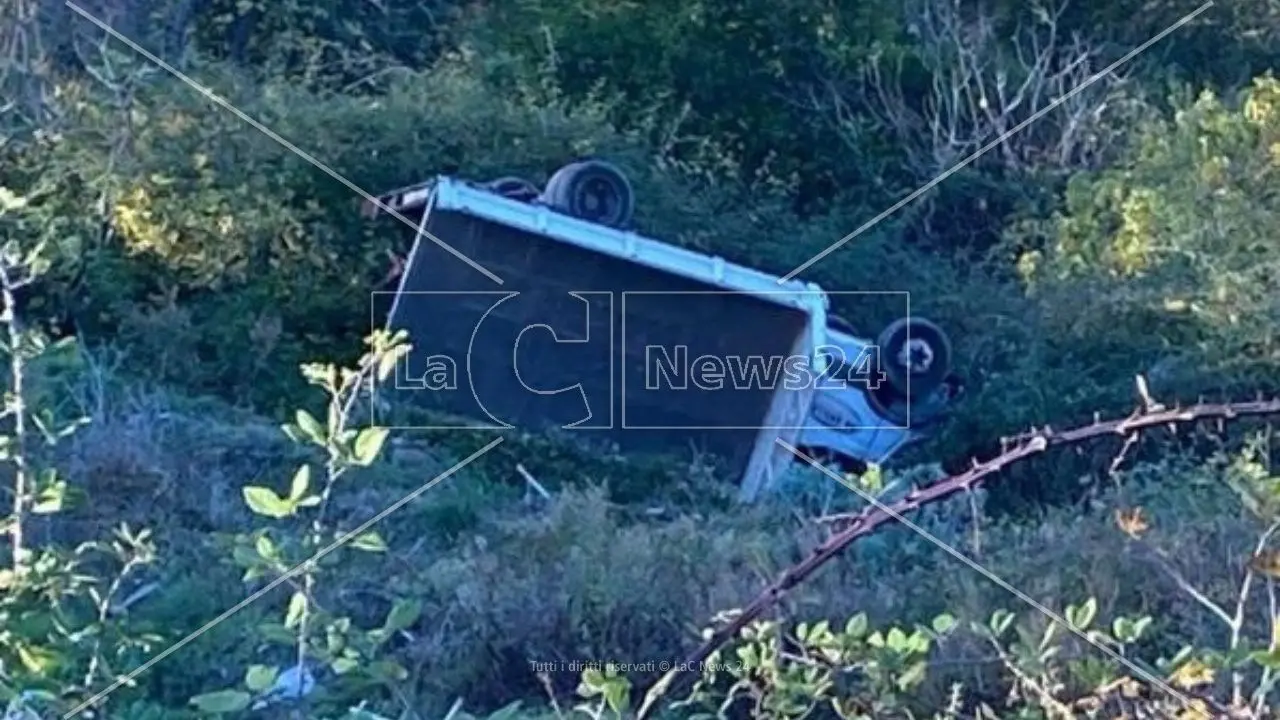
(862, 418)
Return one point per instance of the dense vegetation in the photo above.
(198, 262)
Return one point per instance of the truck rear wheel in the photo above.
(592, 190)
(515, 188)
(915, 355)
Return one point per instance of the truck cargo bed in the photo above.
(593, 329)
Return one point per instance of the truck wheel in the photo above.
(514, 188)
(592, 190)
(889, 405)
(915, 354)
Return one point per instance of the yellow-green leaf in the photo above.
(264, 501)
(301, 483)
(297, 607)
(369, 542)
(310, 427)
(36, 660)
(222, 701)
(50, 499)
(369, 444)
(403, 613)
(260, 678)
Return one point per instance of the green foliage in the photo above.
(1172, 248)
(218, 259)
(321, 639)
(65, 621)
(702, 69)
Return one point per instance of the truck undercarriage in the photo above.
(647, 346)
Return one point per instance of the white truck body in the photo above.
(562, 265)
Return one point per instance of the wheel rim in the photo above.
(917, 355)
(598, 199)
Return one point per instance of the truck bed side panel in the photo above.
(443, 301)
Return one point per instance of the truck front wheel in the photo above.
(592, 190)
(916, 356)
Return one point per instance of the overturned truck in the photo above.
(542, 310)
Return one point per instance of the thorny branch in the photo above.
(865, 523)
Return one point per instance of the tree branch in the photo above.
(872, 518)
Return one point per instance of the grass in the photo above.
(506, 582)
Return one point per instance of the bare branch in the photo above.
(982, 84)
(873, 517)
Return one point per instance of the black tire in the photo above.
(889, 405)
(592, 190)
(930, 354)
(515, 188)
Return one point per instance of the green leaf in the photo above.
(913, 676)
(1081, 617)
(277, 634)
(1269, 659)
(857, 626)
(10, 200)
(369, 542)
(311, 428)
(264, 501)
(615, 695)
(1000, 622)
(368, 445)
(943, 623)
(37, 660)
(387, 365)
(267, 549)
(403, 614)
(297, 606)
(245, 557)
(308, 501)
(1141, 626)
(345, 664)
(897, 641)
(388, 670)
(51, 498)
(291, 431)
(301, 482)
(222, 701)
(592, 683)
(260, 678)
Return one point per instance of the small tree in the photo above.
(319, 639)
(60, 608)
